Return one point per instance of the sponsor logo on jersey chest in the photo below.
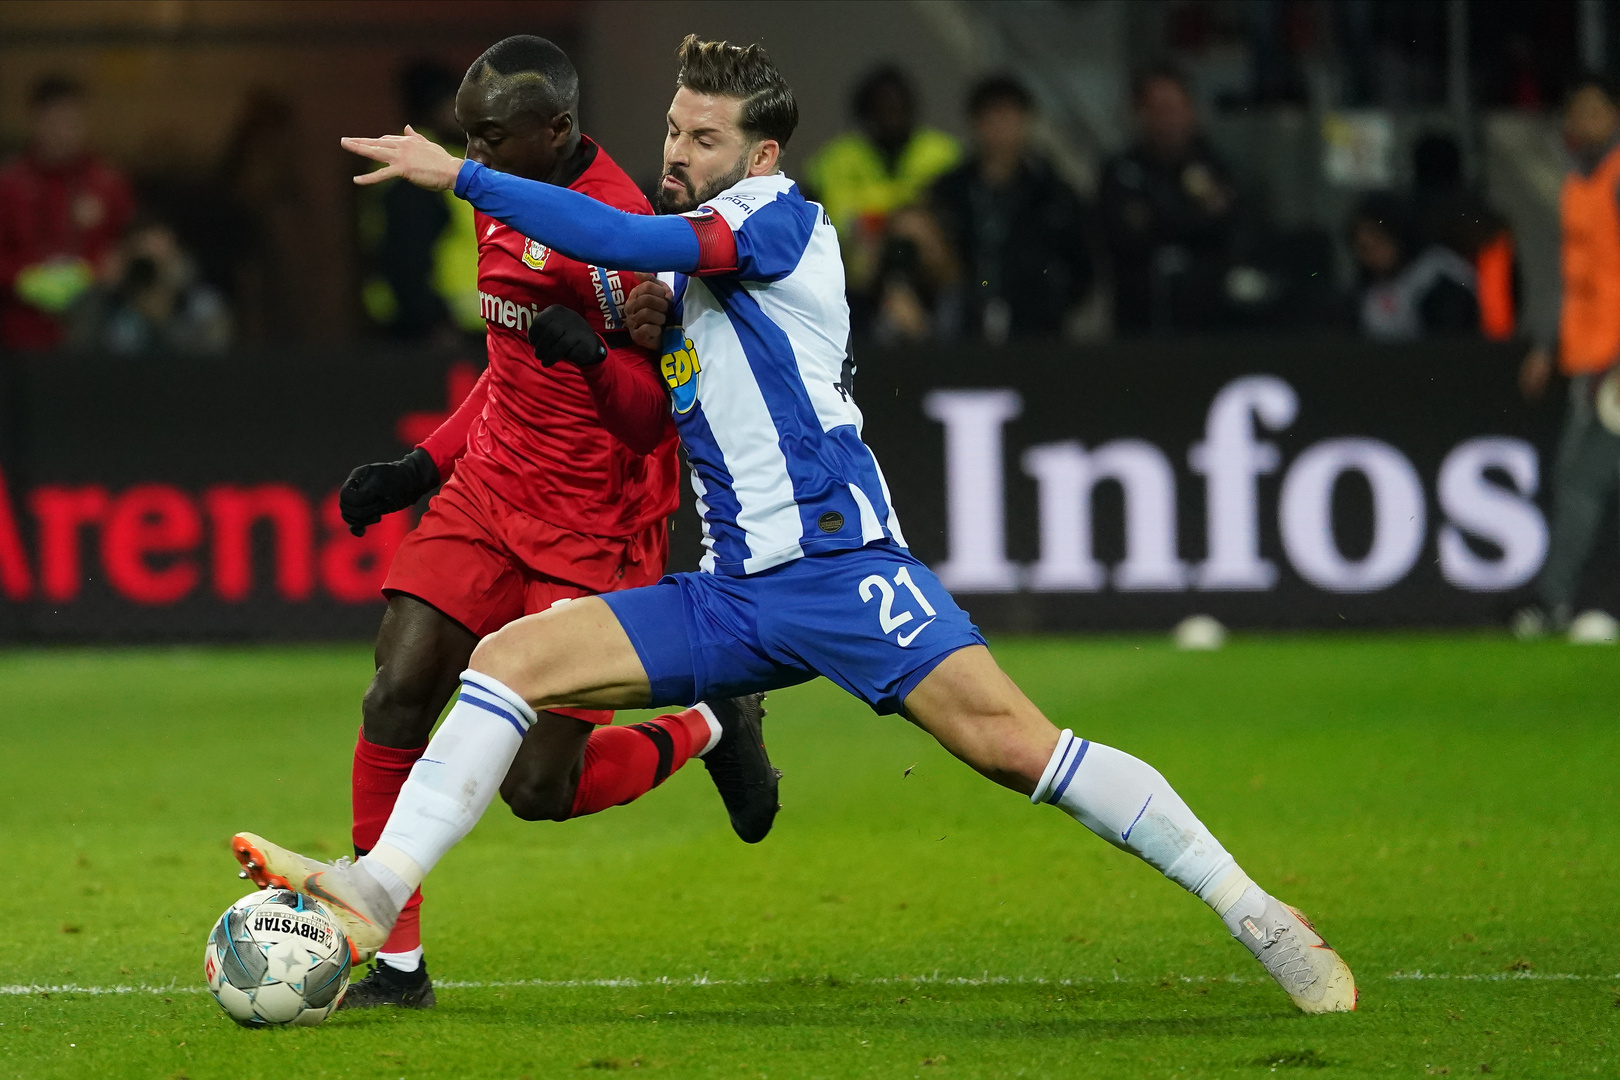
(681, 368)
(499, 312)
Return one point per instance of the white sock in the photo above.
(395, 871)
(1126, 802)
(714, 728)
(402, 961)
(452, 784)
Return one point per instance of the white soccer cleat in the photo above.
(1293, 953)
(361, 906)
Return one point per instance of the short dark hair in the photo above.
(1162, 71)
(744, 72)
(999, 90)
(538, 72)
(53, 88)
(885, 78)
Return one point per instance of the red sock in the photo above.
(379, 773)
(624, 763)
(407, 933)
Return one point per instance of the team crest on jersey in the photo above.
(535, 255)
(680, 367)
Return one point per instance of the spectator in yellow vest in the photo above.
(1588, 347)
(863, 176)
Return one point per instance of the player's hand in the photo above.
(646, 310)
(1535, 372)
(561, 334)
(374, 490)
(415, 157)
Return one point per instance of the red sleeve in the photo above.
(631, 398)
(717, 244)
(449, 441)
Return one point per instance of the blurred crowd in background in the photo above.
(1005, 235)
(92, 262)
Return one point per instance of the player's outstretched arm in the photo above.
(579, 226)
(574, 224)
(415, 157)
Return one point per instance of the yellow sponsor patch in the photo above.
(680, 367)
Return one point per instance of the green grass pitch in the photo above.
(1444, 807)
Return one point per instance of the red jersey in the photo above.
(73, 210)
(542, 439)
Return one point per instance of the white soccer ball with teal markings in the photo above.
(277, 957)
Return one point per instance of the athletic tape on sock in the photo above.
(1229, 891)
(386, 861)
(714, 728)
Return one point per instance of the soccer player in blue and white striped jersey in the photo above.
(806, 571)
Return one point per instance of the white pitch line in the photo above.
(1495, 976)
(20, 990)
(72, 988)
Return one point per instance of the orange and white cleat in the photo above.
(360, 905)
(1293, 953)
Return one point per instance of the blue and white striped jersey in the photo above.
(760, 380)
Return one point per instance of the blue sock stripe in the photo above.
(1067, 752)
(1063, 785)
(496, 691)
(489, 698)
(474, 690)
(502, 710)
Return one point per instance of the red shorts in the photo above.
(483, 563)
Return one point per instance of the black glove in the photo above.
(374, 490)
(560, 333)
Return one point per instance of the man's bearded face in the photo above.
(705, 150)
(680, 194)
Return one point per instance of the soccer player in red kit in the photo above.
(559, 473)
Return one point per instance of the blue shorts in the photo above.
(875, 621)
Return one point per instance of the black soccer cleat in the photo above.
(740, 768)
(385, 985)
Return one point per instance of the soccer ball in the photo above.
(277, 957)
